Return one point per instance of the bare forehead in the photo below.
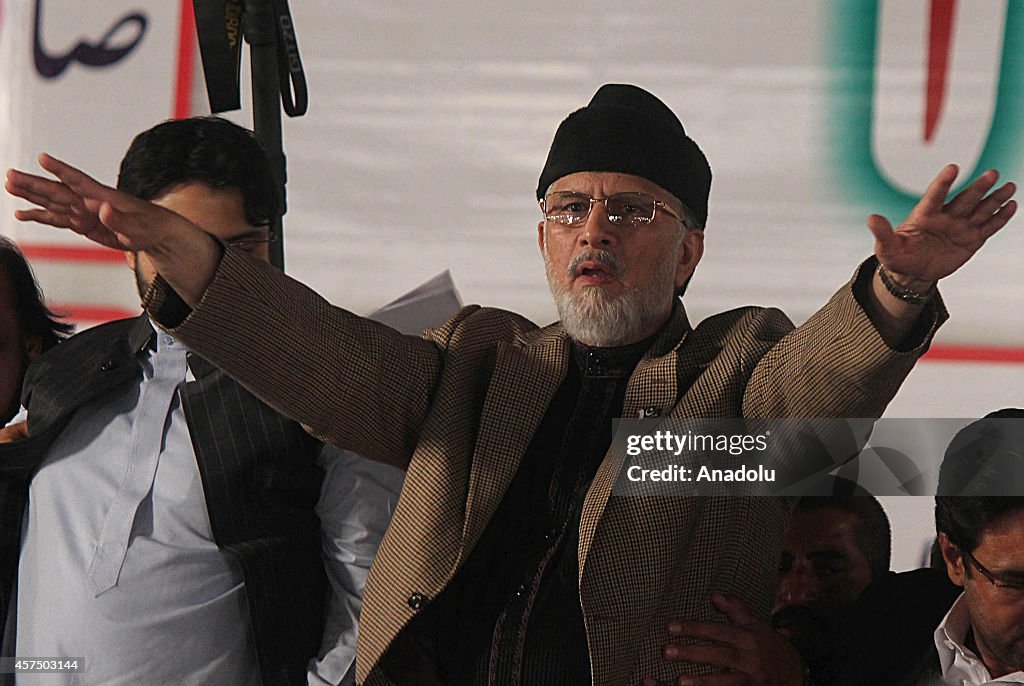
(1004, 536)
(602, 184)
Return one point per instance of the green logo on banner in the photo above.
(914, 84)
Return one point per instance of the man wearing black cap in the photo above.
(507, 562)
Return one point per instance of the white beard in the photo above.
(592, 317)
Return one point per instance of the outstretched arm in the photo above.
(936, 239)
(182, 253)
(353, 383)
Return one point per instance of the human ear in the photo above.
(954, 559)
(691, 249)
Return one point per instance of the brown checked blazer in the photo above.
(459, 406)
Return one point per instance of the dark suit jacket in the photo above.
(459, 406)
(890, 638)
(258, 471)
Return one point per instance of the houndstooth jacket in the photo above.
(458, 407)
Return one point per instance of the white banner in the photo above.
(80, 78)
(428, 126)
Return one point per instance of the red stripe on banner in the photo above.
(974, 353)
(69, 253)
(940, 33)
(186, 61)
(92, 313)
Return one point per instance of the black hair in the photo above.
(208, 150)
(873, 535)
(981, 473)
(34, 317)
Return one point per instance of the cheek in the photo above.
(992, 613)
(556, 254)
(1006, 617)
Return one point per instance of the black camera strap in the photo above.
(219, 26)
(294, 96)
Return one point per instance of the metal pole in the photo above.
(259, 31)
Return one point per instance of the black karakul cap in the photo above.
(628, 130)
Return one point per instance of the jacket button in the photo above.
(416, 601)
(108, 365)
(652, 411)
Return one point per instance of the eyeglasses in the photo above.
(1016, 586)
(623, 209)
(252, 243)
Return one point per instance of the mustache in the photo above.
(603, 256)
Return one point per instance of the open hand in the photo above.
(102, 214)
(939, 237)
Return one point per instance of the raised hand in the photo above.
(102, 214)
(180, 251)
(939, 237)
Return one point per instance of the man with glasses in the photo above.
(178, 530)
(913, 629)
(979, 519)
(507, 560)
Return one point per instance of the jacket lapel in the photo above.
(51, 393)
(525, 379)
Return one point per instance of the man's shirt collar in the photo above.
(960, 664)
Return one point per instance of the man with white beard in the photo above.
(507, 560)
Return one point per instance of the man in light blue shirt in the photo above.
(175, 525)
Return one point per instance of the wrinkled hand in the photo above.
(939, 237)
(14, 432)
(102, 214)
(752, 652)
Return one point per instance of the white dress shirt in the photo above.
(960, 665)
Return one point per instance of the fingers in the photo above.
(995, 200)
(61, 220)
(966, 201)
(14, 432)
(40, 191)
(996, 210)
(733, 608)
(986, 214)
(141, 228)
(709, 631)
(726, 657)
(886, 238)
(998, 220)
(934, 197)
(78, 181)
(881, 228)
(86, 227)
